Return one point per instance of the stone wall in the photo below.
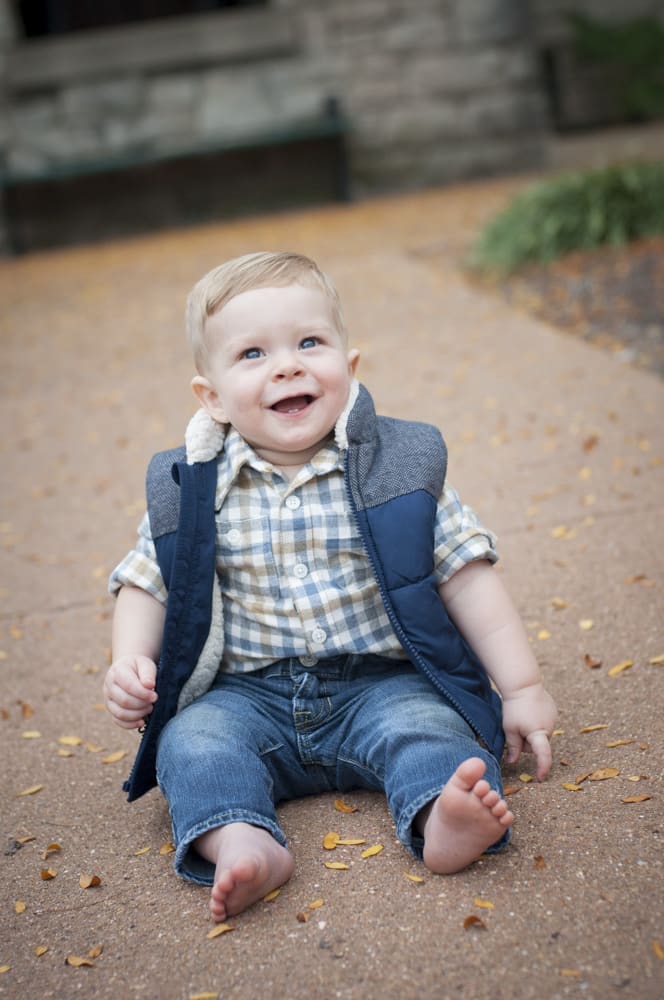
(435, 90)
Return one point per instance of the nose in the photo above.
(288, 364)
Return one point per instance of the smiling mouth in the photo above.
(293, 404)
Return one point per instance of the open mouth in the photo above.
(293, 404)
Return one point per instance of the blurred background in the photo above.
(120, 117)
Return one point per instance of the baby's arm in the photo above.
(482, 610)
(138, 624)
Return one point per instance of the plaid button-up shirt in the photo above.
(294, 576)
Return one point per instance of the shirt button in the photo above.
(319, 636)
(233, 536)
(300, 570)
(293, 502)
(308, 661)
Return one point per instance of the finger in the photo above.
(147, 672)
(118, 695)
(540, 746)
(514, 746)
(129, 682)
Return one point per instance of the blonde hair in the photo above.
(242, 274)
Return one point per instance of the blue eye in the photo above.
(251, 353)
(308, 342)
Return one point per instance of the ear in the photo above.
(207, 396)
(353, 359)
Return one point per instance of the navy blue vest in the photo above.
(394, 473)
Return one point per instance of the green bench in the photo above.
(328, 129)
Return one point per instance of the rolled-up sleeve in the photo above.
(140, 567)
(460, 537)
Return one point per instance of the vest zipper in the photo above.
(401, 635)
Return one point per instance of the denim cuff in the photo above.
(189, 864)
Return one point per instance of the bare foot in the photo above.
(249, 864)
(467, 817)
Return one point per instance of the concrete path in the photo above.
(560, 449)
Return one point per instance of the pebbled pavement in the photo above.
(560, 449)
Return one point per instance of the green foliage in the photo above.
(634, 53)
(575, 211)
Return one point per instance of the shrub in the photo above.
(575, 211)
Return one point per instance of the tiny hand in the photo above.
(129, 690)
(528, 718)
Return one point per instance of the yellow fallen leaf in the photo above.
(619, 667)
(570, 973)
(219, 930)
(658, 949)
(78, 961)
(316, 905)
(593, 729)
(25, 840)
(4, 968)
(637, 798)
(484, 904)
(336, 866)
(51, 849)
(96, 951)
(20, 906)
(603, 773)
(540, 861)
(543, 634)
(619, 743)
(586, 624)
(271, 895)
(351, 842)
(511, 789)
(203, 996)
(70, 741)
(582, 777)
(167, 848)
(89, 881)
(32, 790)
(143, 850)
(113, 758)
(656, 659)
(525, 778)
(343, 807)
(637, 777)
(62, 752)
(558, 603)
(48, 873)
(572, 787)
(330, 841)
(372, 851)
(413, 878)
(31, 734)
(40, 950)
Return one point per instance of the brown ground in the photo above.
(613, 298)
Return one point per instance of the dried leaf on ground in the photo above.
(32, 790)
(654, 660)
(167, 848)
(370, 852)
(51, 849)
(20, 906)
(511, 789)
(96, 951)
(70, 741)
(658, 949)
(89, 881)
(484, 904)
(540, 861)
(586, 624)
(113, 758)
(351, 841)
(302, 917)
(78, 961)
(47, 874)
(594, 728)
(343, 807)
(570, 787)
(40, 950)
(316, 904)
(473, 921)
(330, 840)
(271, 895)
(591, 662)
(336, 866)
(620, 667)
(619, 743)
(219, 930)
(637, 798)
(602, 773)
(413, 878)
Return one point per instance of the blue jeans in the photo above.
(288, 730)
